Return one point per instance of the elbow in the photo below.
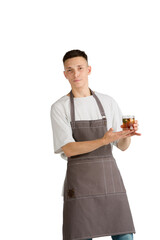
(123, 148)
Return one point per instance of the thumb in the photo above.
(111, 130)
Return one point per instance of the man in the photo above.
(86, 124)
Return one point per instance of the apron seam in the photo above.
(89, 127)
(119, 177)
(83, 121)
(95, 196)
(90, 162)
(112, 177)
(104, 177)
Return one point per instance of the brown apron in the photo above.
(95, 200)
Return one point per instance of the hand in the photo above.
(111, 136)
(135, 128)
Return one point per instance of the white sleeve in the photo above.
(62, 131)
(116, 120)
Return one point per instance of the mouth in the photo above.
(76, 80)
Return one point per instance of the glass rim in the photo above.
(128, 116)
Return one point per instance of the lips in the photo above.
(76, 80)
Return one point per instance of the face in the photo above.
(76, 70)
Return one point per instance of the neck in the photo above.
(81, 92)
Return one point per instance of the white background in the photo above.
(122, 41)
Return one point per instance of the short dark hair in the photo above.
(75, 53)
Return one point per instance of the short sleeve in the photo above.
(62, 132)
(116, 120)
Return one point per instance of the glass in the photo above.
(128, 121)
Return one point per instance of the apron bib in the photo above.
(95, 199)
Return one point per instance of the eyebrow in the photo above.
(76, 66)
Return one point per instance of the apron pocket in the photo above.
(85, 179)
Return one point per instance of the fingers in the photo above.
(125, 133)
(134, 134)
(135, 125)
(137, 134)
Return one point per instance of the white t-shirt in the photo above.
(86, 108)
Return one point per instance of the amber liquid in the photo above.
(128, 123)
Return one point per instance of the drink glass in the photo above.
(128, 121)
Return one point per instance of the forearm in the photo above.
(76, 148)
(124, 143)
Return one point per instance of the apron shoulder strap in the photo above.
(99, 105)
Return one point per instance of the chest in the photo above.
(88, 110)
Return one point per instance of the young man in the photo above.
(86, 124)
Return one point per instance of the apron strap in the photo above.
(72, 107)
(101, 109)
(99, 105)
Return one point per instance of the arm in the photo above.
(76, 148)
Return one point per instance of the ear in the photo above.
(89, 70)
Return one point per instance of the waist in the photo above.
(89, 159)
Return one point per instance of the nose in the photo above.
(76, 73)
